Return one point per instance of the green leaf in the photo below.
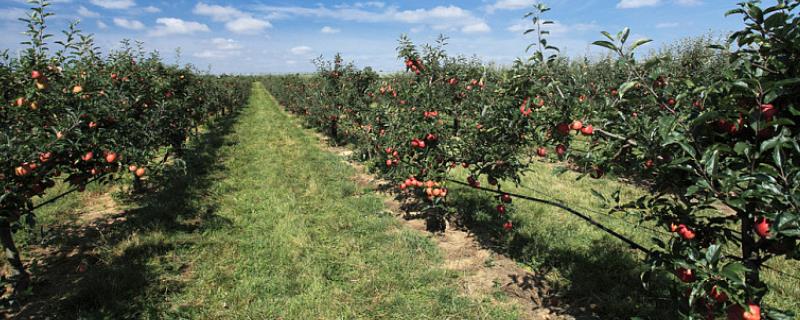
(742, 148)
(741, 84)
(626, 86)
(713, 253)
(691, 190)
(711, 163)
(777, 156)
(605, 44)
(775, 20)
(734, 11)
(624, 35)
(734, 272)
(639, 43)
(674, 140)
(756, 13)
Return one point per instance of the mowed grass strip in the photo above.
(582, 263)
(304, 242)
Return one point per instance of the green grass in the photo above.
(586, 265)
(301, 242)
(263, 224)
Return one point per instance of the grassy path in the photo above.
(301, 241)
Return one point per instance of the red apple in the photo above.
(501, 209)
(45, 156)
(762, 227)
(542, 151)
(576, 125)
(686, 275)
(561, 150)
(737, 312)
(685, 232)
(563, 129)
(768, 111)
(111, 157)
(21, 171)
(717, 295)
(587, 130)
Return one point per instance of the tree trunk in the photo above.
(17, 274)
(138, 186)
(751, 258)
(335, 131)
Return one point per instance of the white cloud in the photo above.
(101, 25)
(217, 13)
(210, 54)
(329, 30)
(440, 18)
(301, 50)
(510, 5)
(689, 3)
(630, 4)
(226, 44)
(151, 9)
(556, 29)
(169, 26)
(114, 4)
(235, 20)
(220, 48)
(84, 12)
(519, 27)
(129, 24)
(247, 25)
(216, 54)
(374, 4)
(665, 25)
(479, 27)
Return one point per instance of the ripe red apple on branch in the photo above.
(751, 311)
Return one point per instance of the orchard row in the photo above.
(80, 116)
(703, 125)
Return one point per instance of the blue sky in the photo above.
(277, 36)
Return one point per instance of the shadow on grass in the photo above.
(122, 265)
(599, 280)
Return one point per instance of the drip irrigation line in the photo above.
(778, 271)
(586, 218)
(628, 241)
(600, 213)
